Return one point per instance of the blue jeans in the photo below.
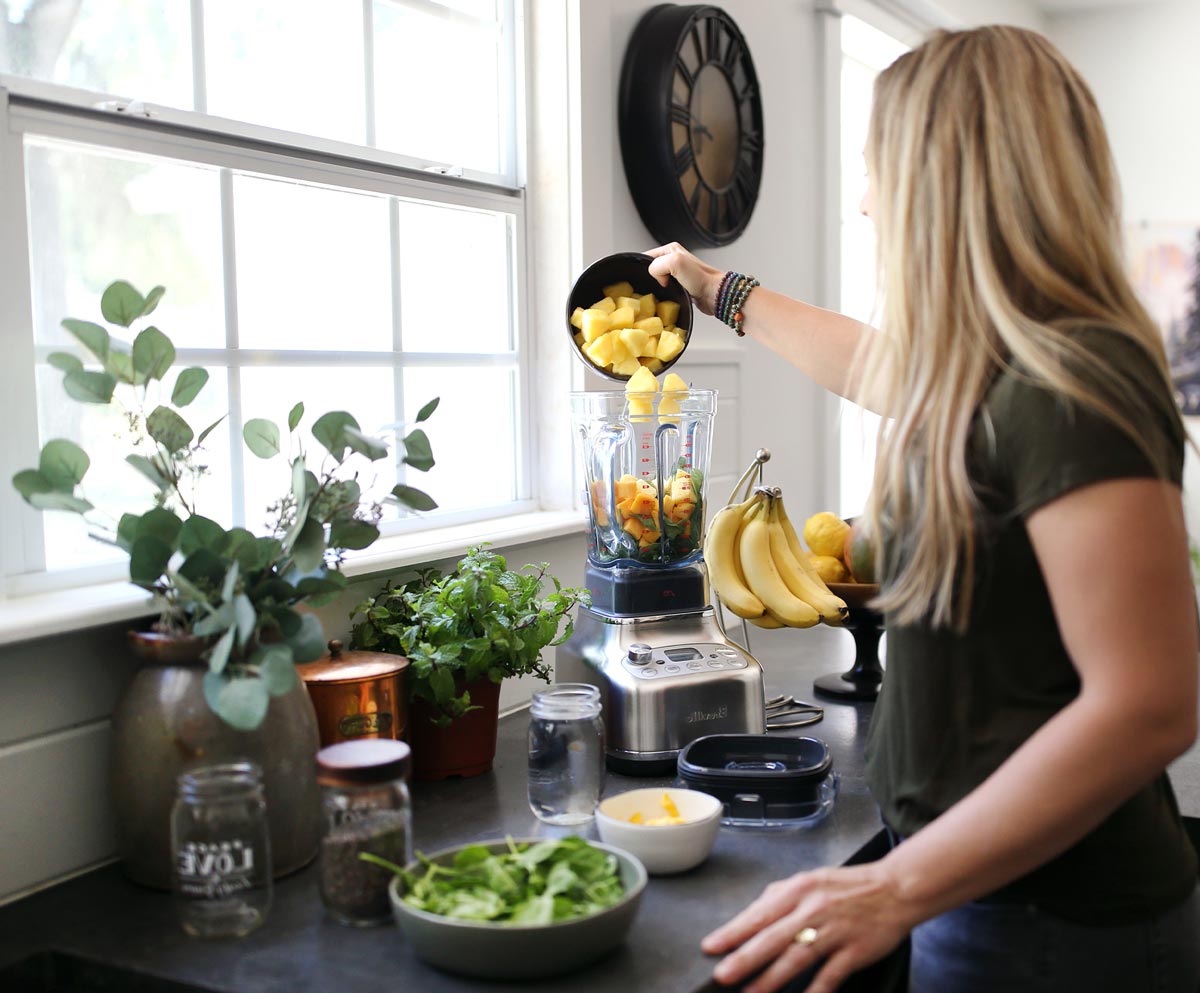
(988, 947)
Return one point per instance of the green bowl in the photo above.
(517, 951)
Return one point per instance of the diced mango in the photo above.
(633, 303)
(651, 325)
(595, 323)
(673, 382)
(667, 311)
(669, 805)
(634, 527)
(577, 318)
(636, 817)
(635, 341)
(625, 488)
(641, 380)
(647, 305)
(579, 339)
(654, 365)
(622, 317)
(669, 345)
(668, 405)
(604, 304)
(621, 289)
(627, 368)
(600, 351)
(618, 349)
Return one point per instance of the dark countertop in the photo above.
(100, 916)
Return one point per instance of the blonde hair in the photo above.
(996, 208)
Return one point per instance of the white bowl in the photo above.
(664, 848)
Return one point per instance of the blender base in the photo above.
(641, 767)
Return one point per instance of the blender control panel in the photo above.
(646, 662)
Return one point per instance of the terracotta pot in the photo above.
(162, 726)
(465, 747)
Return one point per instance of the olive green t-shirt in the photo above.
(954, 706)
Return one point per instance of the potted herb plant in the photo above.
(219, 678)
(463, 634)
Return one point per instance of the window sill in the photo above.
(45, 614)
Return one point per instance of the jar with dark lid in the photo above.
(357, 694)
(366, 808)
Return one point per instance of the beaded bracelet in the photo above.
(731, 298)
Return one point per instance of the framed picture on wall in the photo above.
(1164, 262)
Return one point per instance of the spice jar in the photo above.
(357, 694)
(364, 797)
(222, 850)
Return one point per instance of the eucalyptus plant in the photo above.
(237, 591)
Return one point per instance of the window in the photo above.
(330, 194)
(865, 51)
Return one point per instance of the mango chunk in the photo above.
(577, 318)
(670, 344)
(605, 304)
(641, 380)
(600, 350)
(654, 365)
(621, 289)
(647, 305)
(595, 323)
(627, 367)
(668, 312)
(635, 341)
(622, 317)
(651, 325)
(672, 382)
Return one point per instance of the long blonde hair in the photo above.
(996, 209)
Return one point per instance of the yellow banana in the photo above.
(724, 571)
(797, 572)
(763, 578)
(768, 621)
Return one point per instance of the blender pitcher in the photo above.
(645, 466)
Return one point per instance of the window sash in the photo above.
(22, 556)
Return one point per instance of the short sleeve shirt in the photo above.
(954, 706)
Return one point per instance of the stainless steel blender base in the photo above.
(664, 680)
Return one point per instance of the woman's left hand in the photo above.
(849, 917)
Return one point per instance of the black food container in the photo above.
(762, 779)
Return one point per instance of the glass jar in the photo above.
(364, 797)
(221, 850)
(566, 753)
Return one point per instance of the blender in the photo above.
(651, 641)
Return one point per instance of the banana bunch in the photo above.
(759, 569)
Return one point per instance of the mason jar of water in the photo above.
(566, 753)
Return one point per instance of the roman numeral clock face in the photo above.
(691, 127)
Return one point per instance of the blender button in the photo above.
(671, 668)
(695, 665)
(647, 673)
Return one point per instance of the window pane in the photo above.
(96, 216)
(438, 90)
(271, 392)
(113, 486)
(312, 266)
(459, 307)
(132, 48)
(295, 65)
(473, 433)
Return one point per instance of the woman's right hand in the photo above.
(699, 279)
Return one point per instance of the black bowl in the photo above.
(630, 267)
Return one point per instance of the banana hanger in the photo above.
(782, 711)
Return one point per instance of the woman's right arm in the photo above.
(820, 343)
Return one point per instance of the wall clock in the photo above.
(691, 128)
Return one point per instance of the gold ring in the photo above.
(807, 936)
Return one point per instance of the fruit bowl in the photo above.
(632, 268)
(862, 680)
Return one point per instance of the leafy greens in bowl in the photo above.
(518, 909)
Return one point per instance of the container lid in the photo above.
(365, 760)
(755, 761)
(340, 666)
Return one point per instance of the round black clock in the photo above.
(691, 127)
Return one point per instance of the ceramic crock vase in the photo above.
(466, 746)
(163, 726)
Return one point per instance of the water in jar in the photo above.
(566, 753)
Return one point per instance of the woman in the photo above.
(1042, 645)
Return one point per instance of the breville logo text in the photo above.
(696, 716)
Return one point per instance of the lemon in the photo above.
(825, 534)
(829, 568)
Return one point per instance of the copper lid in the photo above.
(364, 760)
(350, 667)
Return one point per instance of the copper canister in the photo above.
(357, 694)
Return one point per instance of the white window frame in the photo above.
(67, 114)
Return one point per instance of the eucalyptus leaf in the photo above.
(275, 668)
(201, 532)
(242, 546)
(417, 451)
(414, 498)
(58, 500)
(217, 622)
(429, 408)
(210, 429)
(261, 437)
(219, 655)
(242, 703)
(294, 416)
(170, 430)
(63, 464)
(299, 481)
(188, 385)
(204, 567)
(91, 336)
(87, 386)
(372, 448)
(28, 482)
(153, 353)
(286, 619)
(330, 430)
(65, 361)
(308, 551)
(352, 534)
(331, 582)
(247, 619)
(148, 558)
(229, 583)
(190, 592)
(119, 364)
(162, 524)
(121, 304)
(308, 643)
(150, 469)
(152, 299)
(127, 530)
